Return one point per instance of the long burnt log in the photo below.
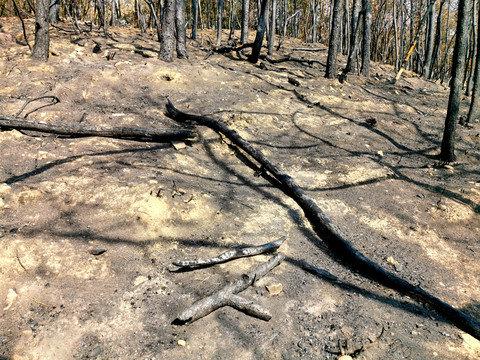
(332, 236)
(144, 134)
(293, 59)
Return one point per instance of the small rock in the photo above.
(274, 289)
(380, 153)
(178, 145)
(97, 251)
(96, 351)
(345, 357)
(415, 333)
(140, 279)
(11, 297)
(181, 343)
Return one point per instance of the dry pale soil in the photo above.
(147, 204)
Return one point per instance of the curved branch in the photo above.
(336, 241)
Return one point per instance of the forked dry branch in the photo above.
(327, 231)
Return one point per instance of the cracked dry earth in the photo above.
(364, 150)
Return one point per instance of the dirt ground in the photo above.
(148, 204)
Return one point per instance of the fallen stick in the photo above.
(232, 254)
(11, 122)
(227, 296)
(335, 240)
(291, 58)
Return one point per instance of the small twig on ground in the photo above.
(55, 100)
(232, 254)
(227, 296)
(41, 303)
(20, 262)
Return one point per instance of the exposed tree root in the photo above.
(335, 240)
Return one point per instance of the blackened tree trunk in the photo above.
(195, 19)
(245, 20)
(181, 29)
(447, 153)
(474, 104)
(436, 46)
(167, 41)
(273, 26)
(428, 64)
(219, 21)
(54, 11)
(42, 37)
(257, 45)
(367, 37)
(354, 40)
(335, 39)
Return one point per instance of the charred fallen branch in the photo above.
(232, 254)
(310, 62)
(335, 240)
(227, 49)
(140, 134)
(227, 296)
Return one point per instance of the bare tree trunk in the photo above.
(395, 30)
(219, 21)
(334, 41)
(181, 29)
(167, 41)
(474, 104)
(245, 20)
(257, 45)
(367, 26)
(346, 29)
(458, 68)
(195, 19)
(271, 34)
(430, 35)
(54, 11)
(438, 38)
(354, 40)
(42, 37)
(473, 52)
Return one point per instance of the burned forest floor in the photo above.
(89, 226)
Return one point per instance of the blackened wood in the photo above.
(42, 37)
(232, 254)
(293, 59)
(257, 45)
(335, 240)
(11, 122)
(226, 296)
(167, 40)
(447, 152)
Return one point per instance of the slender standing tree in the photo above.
(474, 104)
(430, 37)
(367, 37)
(54, 11)
(181, 29)
(195, 19)
(335, 40)
(273, 26)
(42, 38)
(245, 20)
(219, 21)
(447, 153)
(257, 45)
(167, 41)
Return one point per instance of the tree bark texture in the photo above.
(474, 104)
(257, 45)
(335, 40)
(181, 32)
(367, 37)
(458, 69)
(245, 21)
(430, 39)
(42, 38)
(54, 11)
(219, 21)
(195, 19)
(167, 41)
(273, 26)
(11, 122)
(331, 235)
